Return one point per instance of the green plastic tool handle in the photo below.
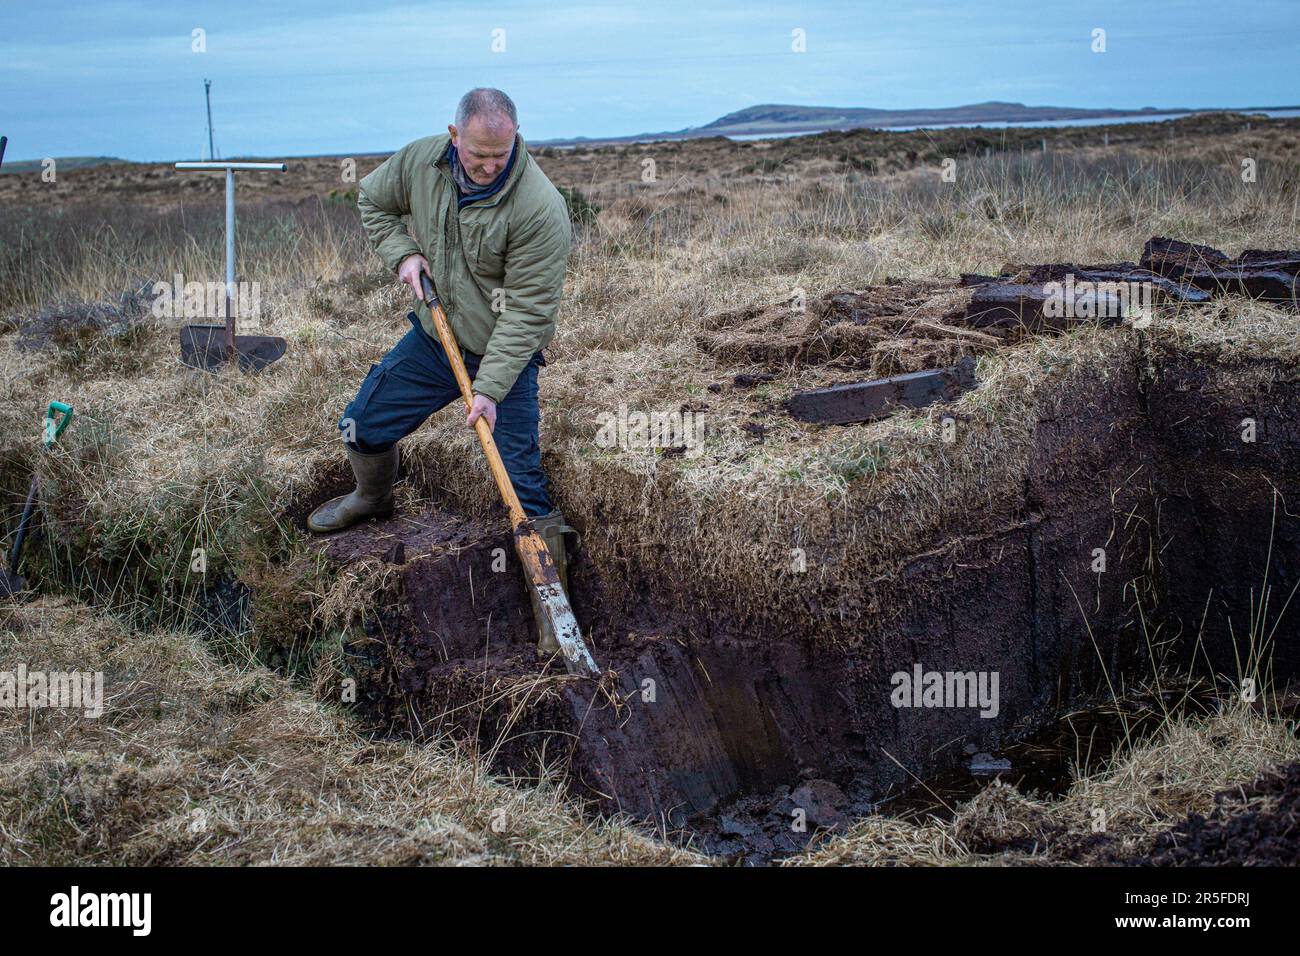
(52, 429)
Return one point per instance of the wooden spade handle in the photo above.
(484, 430)
(531, 547)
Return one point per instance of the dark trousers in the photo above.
(414, 380)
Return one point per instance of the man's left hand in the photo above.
(485, 407)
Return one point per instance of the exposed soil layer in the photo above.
(733, 729)
(1257, 825)
(1228, 443)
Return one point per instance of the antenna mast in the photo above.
(207, 95)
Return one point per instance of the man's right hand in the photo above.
(409, 269)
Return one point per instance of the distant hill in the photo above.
(777, 118)
(62, 163)
(772, 116)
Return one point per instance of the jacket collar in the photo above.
(441, 162)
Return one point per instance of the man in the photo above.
(494, 234)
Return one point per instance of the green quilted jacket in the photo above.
(498, 263)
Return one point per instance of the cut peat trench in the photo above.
(728, 727)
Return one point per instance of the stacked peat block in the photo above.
(1045, 299)
(1270, 275)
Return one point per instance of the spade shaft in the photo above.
(257, 351)
(17, 551)
(230, 260)
(531, 548)
(57, 417)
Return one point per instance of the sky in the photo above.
(300, 77)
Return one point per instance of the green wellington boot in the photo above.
(553, 529)
(372, 497)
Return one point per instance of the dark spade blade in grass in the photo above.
(206, 347)
(11, 582)
(11, 585)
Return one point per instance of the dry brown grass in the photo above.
(1141, 792)
(162, 459)
(196, 763)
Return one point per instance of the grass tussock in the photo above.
(193, 762)
(1111, 814)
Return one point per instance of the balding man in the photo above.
(494, 234)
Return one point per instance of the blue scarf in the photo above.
(469, 191)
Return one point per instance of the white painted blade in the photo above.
(555, 605)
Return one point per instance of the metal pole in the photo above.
(202, 352)
(207, 95)
(229, 169)
(221, 166)
(230, 258)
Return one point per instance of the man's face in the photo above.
(484, 147)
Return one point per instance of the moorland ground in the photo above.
(214, 749)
